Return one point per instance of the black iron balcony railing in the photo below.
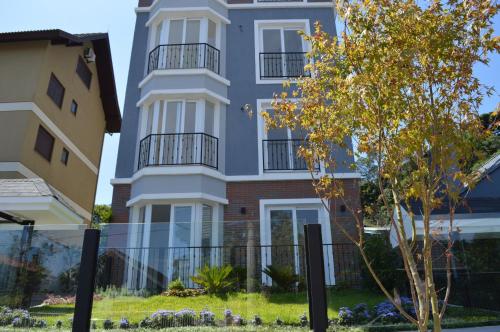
(281, 155)
(179, 149)
(184, 56)
(283, 65)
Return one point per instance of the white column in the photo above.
(145, 246)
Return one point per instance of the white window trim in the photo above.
(181, 12)
(303, 24)
(295, 203)
(263, 104)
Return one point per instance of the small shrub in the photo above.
(41, 324)
(108, 324)
(238, 320)
(214, 279)
(207, 318)
(59, 324)
(361, 313)
(94, 326)
(303, 320)
(176, 285)
(228, 317)
(278, 321)
(21, 318)
(387, 313)
(257, 321)
(189, 292)
(185, 317)
(346, 316)
(284, 277)
(124, 324)
(161, 319)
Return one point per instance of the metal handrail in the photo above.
(173, 56)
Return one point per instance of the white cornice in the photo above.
(176, 197)
(189, 170)
(186, 72)
(30, 106)
(181, 93)
(176, 12)
(256, 5)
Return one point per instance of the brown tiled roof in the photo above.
(104, 63)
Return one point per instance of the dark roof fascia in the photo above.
(104, 64)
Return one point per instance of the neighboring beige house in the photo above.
(57, 101)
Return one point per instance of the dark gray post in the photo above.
(316, 290)
(86, 281)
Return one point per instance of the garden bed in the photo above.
(276, 312)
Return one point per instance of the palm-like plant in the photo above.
(215, 279)
(284, 277)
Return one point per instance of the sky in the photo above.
(117, 17)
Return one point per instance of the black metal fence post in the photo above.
(316, 290)
(86, 281)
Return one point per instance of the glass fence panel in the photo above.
(39, 267)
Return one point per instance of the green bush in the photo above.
(176, 285)
(188, 292)
(384, 261)
(214, 279)
(284, 277)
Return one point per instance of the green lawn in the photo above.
(286, 306)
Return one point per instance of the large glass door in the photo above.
(184, 43)
(287, 235)
(181, 243)
(180, 144)
(283, 52)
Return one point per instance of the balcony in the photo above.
(283, 65)
(184, 56)
(281, 155)
(179, 149)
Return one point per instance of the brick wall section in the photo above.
(121, 194)
(247, 195)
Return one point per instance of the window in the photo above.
(56, 91)
(44, 143)
(280, 50)
(84, 72)
(64, 156)
(74, 107)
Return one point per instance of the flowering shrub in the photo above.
(188, 292)
(346, 316)
(361, 313)
(303, 320)
(228, 316)
(124, 323)
(387, 312)
(160, 319)
(207, 317)
(185, 317)
(257, 321)
(41, 324)
(108, 324)
(238, 320)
